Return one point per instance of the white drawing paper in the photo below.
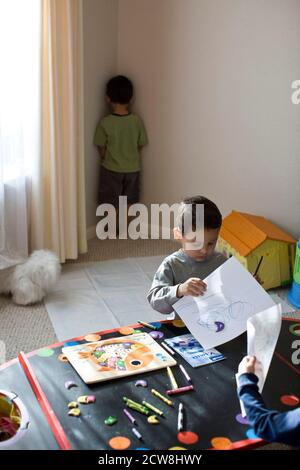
(262, 334)
(221, 314)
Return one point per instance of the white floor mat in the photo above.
(98, 296)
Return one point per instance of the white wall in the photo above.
(100, 61)
(213, 84)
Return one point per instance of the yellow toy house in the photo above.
(249, 237)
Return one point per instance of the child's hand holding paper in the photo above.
(193, 286)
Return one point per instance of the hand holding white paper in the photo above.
(262, 334)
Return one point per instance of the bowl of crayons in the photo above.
(14, 419)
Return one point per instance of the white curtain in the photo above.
(41, 129)
(19, 120)
(58, 192)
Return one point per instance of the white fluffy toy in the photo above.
(30, 281)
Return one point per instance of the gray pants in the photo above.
(114, 184)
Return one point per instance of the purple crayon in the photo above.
(129, 416)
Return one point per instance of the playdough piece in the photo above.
(156, 334)
(73, 404)
(46, 352)
(141, 383)
(295, 329)
(221, 443)
(127, 330)
(119, 442)
(83, 399)
(74, 412)
(69, 384)
(177, 448)
(153, 419)
(242, 420)
(91, 399)
(289, 400)
(251, 434)
(187, 437)
(92, 337)
(111, 420)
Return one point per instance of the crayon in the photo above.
(172, 379)
(152, 408)
(161, 397)
(167, 348)
(137, 434)
(180, 390)
(186, 375)
(129, 416)
(136, 406)
(147, 324)
(180, 418)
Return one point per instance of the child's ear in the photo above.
(177, 233)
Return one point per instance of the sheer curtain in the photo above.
(41, 129)
(20, 44)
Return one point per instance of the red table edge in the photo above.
(42, 399)
(244, 444)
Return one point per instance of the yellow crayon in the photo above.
(152, 408)
(172, 379)
(161, 397)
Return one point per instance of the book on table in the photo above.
(114, 358)
(192, 351)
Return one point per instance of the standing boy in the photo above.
(119, 138)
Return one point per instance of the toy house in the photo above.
(249, 237)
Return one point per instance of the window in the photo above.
(20, 45)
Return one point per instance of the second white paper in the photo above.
(262, 334)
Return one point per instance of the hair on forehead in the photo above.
(190, 214)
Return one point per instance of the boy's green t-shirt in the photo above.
(122, 136)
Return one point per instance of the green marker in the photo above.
(136, 406)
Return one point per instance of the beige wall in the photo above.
(213, 84)
(100, 62)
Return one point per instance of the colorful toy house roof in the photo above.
(245, 232)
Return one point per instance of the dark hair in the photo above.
(212, 215)
(119, 89)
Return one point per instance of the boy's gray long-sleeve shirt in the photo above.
(174, 270)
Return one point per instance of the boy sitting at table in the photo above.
(182, 272)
